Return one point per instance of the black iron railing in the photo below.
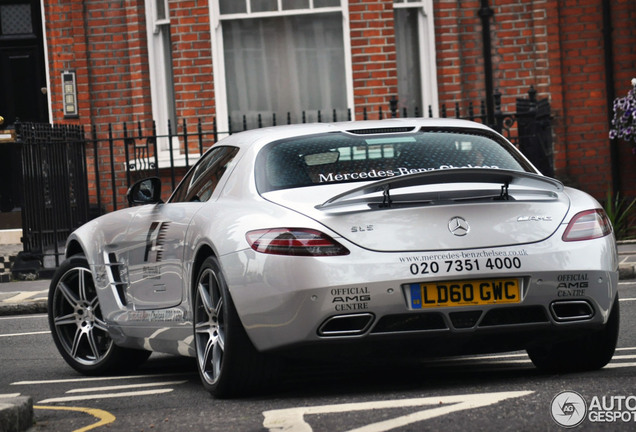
(54, 186)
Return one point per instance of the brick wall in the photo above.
(585, 159)
(66, 40)
(458, 40)
(104, 41)
(373, 55)
(519, 39)
(556, 94)
(585, 112)
(192, 62)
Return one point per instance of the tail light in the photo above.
(588, 225)
(295, 242)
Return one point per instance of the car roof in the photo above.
(262, 136)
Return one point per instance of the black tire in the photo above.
(77, 325)
(228, 363)
(591, 351)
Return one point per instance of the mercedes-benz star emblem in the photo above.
(458, 226)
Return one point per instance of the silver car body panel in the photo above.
(142, 258)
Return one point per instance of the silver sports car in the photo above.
(419, 237)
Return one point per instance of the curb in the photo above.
(626, 272)
(16, 414)
(23, 308)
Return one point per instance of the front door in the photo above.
(155, 257)
(22, 93)
(22, 69)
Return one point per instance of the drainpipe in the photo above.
(485, 13)
(610, 90)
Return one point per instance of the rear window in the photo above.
(341, 157)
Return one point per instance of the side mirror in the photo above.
(146, 191)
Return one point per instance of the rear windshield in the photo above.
(340, 157)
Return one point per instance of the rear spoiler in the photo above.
(504, 178)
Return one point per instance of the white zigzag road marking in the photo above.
(292, 419)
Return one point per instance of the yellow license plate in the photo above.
(464, 293)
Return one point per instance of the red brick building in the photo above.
(138, 60)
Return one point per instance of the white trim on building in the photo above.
(427, 54)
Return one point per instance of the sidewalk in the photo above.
(23, 297)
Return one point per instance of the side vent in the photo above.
(118, 282)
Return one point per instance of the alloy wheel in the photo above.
(209, 326)
(77, 318)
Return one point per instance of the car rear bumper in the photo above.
(294, 301)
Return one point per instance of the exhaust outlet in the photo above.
(572, 310)
(346, 325)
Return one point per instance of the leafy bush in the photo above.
(619, 211)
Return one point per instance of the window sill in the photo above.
(178, 160)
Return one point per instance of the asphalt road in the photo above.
(499, 392)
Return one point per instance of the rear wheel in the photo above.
(587, 352)
(228, 363)
(77, 325)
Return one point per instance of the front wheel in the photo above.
(228, 363)
(588, 352)
(77, 325)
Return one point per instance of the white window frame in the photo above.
(47, 67)
(218, 62)
(428, 64)
(160, 101)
